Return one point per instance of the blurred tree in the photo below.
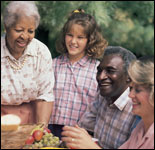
(125, 23)
(132, 26)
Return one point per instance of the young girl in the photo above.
(81, 44)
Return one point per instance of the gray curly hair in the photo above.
(16, 9)
(126, 55)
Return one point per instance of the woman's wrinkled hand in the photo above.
(78, 138)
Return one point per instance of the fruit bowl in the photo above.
(41, 137)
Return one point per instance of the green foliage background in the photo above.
(129, 24)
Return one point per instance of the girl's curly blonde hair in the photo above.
(96, 43)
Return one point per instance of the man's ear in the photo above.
(128, 79)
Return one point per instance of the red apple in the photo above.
(47, 130)
(29, 140)
(37, 134)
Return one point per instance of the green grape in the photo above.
(46, 134)
(47, 140)
(44, 145)
(36, 144)
(48, 144)
(40, 145)
(50, 138)
(41, 141)
(52, 135)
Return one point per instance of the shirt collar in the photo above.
(82, 62)
(141, 130)
(32, 48)
(64, 59)
(150, 131)
(121, 102)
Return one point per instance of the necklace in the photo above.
(14, 65)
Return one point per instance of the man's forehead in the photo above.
(112, 60)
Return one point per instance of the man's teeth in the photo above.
(104, 84)
(135, 103)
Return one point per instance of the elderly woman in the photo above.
(26, 76)
(141, 73)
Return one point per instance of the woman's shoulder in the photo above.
(39, 47)
(35, 42)
(3, 40)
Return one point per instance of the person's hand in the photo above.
(78, 138)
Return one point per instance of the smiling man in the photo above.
(110, 116)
